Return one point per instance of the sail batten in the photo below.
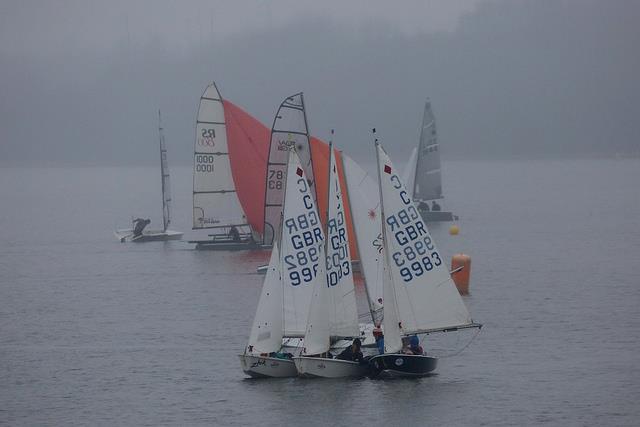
(215, 202)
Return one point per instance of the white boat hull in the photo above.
(147, 236)
(318, 367)
(267, 367)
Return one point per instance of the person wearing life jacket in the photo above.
(423, 207)
(435, 206)
(138, 225)
(234, 234)
(352, 352)
(414, 345)
(379, 337)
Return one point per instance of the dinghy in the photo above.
(217, 213)
(422, 175)
(296, 265)
(419, 294)
(165, 233)
(333, 313)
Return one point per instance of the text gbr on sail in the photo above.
(417, 253)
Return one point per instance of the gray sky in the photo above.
(81, 81)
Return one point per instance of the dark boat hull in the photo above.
(437, 216)
(401, 365)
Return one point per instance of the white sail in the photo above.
(266, 333)
(302, 242)
(409, 174)
(343, 311)
(364, 200)
(289, 130)
(428, 181)
(391, 319)
(317, 335)
(164, 176)
(427, 299)
(215, 202)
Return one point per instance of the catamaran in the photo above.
(419, 294)
(333, 313)
(137, 232)
(295, 269)
(216, 208)
(423, 175)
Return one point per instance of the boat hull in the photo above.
(401, 365)
(224, 245)
(267, 367)
(318, 367)
(148, 236)
(437, 216)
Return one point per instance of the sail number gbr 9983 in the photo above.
(415, 254)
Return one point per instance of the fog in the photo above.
(81, 82)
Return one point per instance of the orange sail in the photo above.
(248, 141)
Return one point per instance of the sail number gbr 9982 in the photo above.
(416, 252)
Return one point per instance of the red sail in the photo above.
(248, 142)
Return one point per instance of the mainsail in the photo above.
(215, 202)
(289, 131)
(426, 298)
(164, 174)
(302, 248)
(427, 182)
(364, 199)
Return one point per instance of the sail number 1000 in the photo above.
(204, 163)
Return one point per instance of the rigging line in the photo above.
(463, 348)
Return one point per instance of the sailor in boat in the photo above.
(423, 207)
(379, 337)
(138, 225)
(435, 206)
(414, 346)
(234, 234)
(352, 353)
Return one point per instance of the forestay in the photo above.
(428, 182)
(164, 174)
(289, 131)
(364, 200)
(215, 202)
(302, 244)
(427, 299)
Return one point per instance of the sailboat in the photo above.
(295, 268)
(289, 130)
(419, 294)
(165, 233)
(216, 207)
(422, 175)
(333, 313)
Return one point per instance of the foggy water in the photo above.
(95, 332)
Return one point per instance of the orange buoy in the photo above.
(454, 230)
(461, 266)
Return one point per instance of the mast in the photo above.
(392, 340)
(164, 177)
